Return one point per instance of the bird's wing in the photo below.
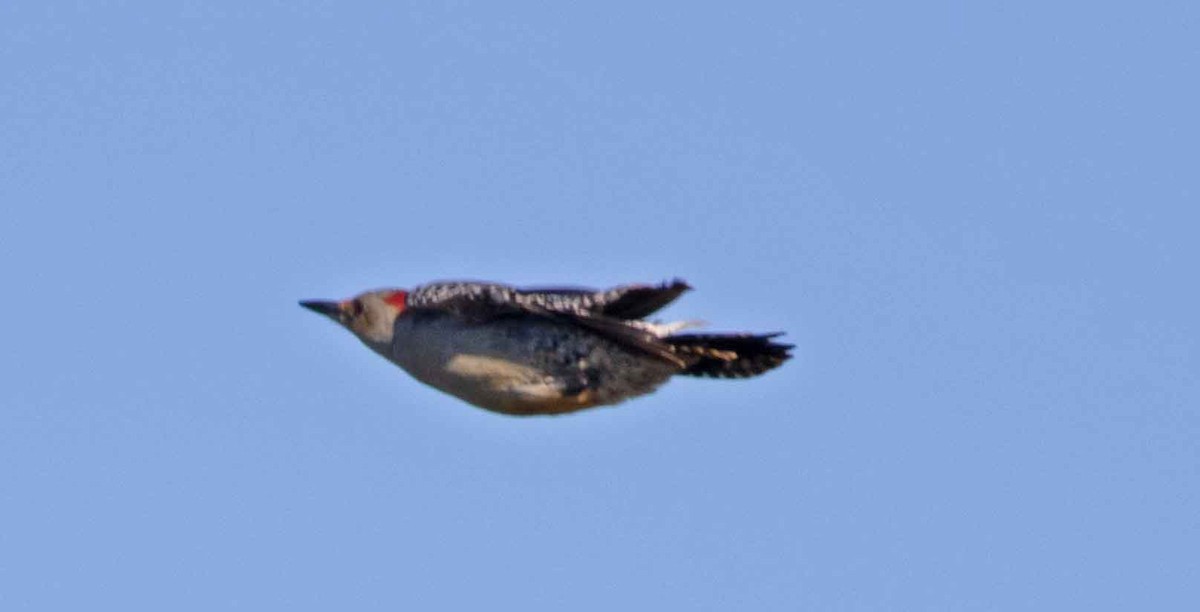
(622, 333)
(482, 302)
(477, 302)
(623, 302)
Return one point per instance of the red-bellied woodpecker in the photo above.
(543, 351)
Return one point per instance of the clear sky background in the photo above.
(977, 222)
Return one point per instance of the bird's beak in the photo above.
(329, 309)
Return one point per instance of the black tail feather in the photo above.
(729, 355)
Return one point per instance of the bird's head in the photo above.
(370, 316)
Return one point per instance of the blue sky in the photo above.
(976, 221)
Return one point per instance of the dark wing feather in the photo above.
(623, 302)
(622, 333)
(639, 301)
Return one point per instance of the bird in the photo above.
(544, 351)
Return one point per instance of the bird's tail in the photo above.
(728, 355)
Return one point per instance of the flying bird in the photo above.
(544, 351)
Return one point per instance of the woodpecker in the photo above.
(544, 351)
